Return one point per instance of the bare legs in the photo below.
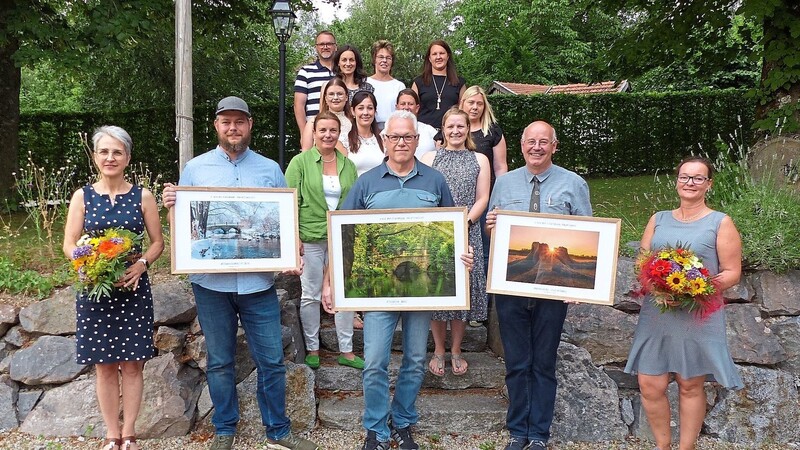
(692, 407)
(108, 393)
(439, 331)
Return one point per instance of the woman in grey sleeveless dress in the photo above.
(467, 173)
(679, 342)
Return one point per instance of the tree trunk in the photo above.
(780, 68)
(9, 115)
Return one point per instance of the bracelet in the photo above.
(144, 261)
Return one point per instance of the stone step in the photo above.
(468, 411)
(485, 371)
(474, 338)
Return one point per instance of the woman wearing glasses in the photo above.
(678, 341)
(467, 175)
(439, 87)
(333, 99)
(323, 177)
(386, 86)
(349, 67)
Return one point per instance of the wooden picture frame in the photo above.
(224, 230)
(398, 259)
(554, 256)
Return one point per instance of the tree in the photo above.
(410, 27)
(538, 41)
(124, 48)
(664, 32)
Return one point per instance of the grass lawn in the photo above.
(632, 199)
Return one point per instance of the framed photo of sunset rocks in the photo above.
(554, 257)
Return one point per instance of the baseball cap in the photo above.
(233, 104)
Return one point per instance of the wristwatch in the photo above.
(144, 261)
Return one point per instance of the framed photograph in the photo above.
(398, 259)
(554, 257)
(220, 229)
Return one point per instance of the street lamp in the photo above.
(283, 23)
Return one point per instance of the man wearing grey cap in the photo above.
(225, 299)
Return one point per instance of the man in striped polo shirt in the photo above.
(312, 77)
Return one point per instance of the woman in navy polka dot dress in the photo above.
(116, 333)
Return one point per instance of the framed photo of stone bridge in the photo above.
(398, 259)
(554, 257)
(220, 229)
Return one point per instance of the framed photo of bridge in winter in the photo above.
(219, 230)
(554, 257)
(398, 259)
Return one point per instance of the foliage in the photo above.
(625, 134)
(410, 25)
(493, 40)
(15, 280)
(709, 38)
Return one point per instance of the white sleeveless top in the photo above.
(369, 154)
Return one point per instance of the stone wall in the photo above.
(44, 392)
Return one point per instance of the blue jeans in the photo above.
(530, 330)
(379, 328)
(219, 314)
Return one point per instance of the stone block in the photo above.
(749, 338)
(779, 295)
(50, 360)
(605, 332)
(55, 315)
(9, 316)
(169, 398)
(67, 410)
(173, 303)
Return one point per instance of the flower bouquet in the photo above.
(676, 279)
(99, 260)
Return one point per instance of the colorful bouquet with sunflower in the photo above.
(99, 260)
(676, 279)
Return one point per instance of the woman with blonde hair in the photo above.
(467, 175)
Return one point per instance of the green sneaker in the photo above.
(222, 442)
(291, 442)
(312, 361)
(356, 362)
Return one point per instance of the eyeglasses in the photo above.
(335, 94)
(116, 154)
(697, 179)
(533, 142)
(384, 58)
(326, 44)
(395, 138)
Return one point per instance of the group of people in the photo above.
(359, 153)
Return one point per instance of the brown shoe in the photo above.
(111, 444)
(129, 443)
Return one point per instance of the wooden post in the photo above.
(184, 118)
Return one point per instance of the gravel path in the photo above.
(350, 440)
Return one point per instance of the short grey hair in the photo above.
(400, 114)
(114, 132)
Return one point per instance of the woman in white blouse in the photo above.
(366, 147)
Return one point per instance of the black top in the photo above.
(428, 113)
(485, 144)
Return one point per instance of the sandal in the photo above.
(111, 444)
(436, 365)
(127, 441)
(458, 362)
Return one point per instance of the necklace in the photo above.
(328, 160)
(690, 218)
(438, 91)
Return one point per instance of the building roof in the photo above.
(603, 87)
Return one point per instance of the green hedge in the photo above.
(629, 133)
(599, 134)
(53, 138)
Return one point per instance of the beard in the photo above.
(231, 147)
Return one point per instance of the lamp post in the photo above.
(283, 22)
